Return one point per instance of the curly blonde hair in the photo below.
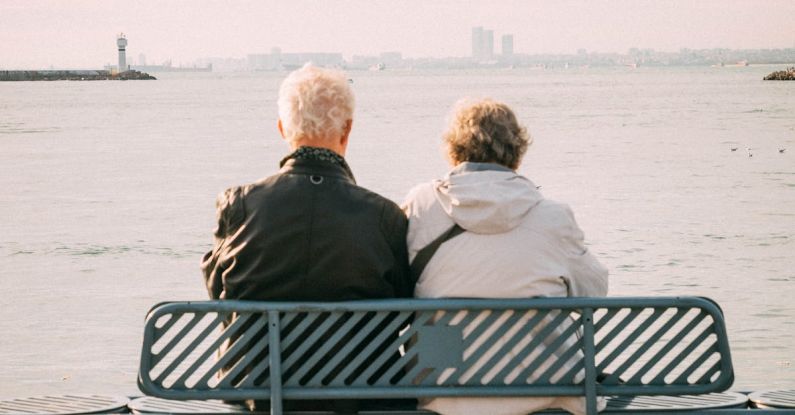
(315, 103)
(485, 131)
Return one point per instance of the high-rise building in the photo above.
(482, 43)
(488, 44)
(507, 45)
(477, 42)
(121, 42)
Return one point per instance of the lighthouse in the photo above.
(121, 42)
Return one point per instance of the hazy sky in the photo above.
(81, 33)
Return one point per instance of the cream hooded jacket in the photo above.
(516, 244)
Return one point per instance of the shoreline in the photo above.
(69, 75)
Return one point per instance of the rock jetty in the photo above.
(785, 75)
(73, 76)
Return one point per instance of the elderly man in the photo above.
(309, 233)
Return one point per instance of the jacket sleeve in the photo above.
(230, 213)
(395, 225)
(587, 277)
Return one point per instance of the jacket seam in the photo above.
(311, 229)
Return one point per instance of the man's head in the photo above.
(485, 131)
(316, 108)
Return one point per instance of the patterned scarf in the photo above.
(317, 153)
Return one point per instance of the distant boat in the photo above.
(741, 63)
(378, 67)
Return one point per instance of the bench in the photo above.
(631, 346)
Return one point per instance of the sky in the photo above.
(66, 34)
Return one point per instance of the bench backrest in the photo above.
(450, 347)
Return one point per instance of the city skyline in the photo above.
(183, 31)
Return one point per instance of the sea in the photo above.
(682, 179)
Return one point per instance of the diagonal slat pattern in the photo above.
(529, 328)
(353, 373)
(337, 349)
(646, 346)
(550, 345)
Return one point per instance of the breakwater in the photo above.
(785, 75)
(87, 75)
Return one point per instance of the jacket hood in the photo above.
(486, 198)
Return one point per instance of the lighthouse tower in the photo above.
(121, 42)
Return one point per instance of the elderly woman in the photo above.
(503, 239)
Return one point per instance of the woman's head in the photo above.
(485, 131)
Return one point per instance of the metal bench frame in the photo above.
(627, 335)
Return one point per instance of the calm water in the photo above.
(109, 188)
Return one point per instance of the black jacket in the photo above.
(308, 233)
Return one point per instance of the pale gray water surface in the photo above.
(109, 188)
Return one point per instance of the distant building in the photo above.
(477, 42)
(219, 64)
(141, 59)
(391, 58)
(488, 44)
(320, 59)
(263, 62)
(278, 60)
(482, 44)
(507, 46)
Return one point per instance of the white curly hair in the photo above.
(315, 104)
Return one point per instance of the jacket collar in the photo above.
(317, 167)
(471, 166)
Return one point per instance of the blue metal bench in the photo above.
(236, 350)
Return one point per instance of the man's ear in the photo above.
(281, 129)
(346, 131)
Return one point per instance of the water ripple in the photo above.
(19, 128)
(97, 250)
